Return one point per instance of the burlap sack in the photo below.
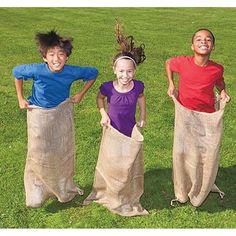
(119, 174)
(197, 138)
(50, 160)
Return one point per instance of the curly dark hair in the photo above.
(51, 39)
(127, 48)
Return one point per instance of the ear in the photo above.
(192, 47)
(44, 58)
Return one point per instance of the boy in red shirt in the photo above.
(198, 75)
(198, 125)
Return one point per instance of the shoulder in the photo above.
(139, 86)
(32, 65)
(71, 68)
(138, 83)
(182, 58)
(179, 62)
(28, 68)
(77, 68)
(217, 65)
(106, 87)
(107, 84)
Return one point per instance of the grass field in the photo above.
(166, 32)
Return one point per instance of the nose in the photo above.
(125, 74)
(55, 58)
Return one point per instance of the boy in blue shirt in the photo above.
(53, 78)
(51, 148)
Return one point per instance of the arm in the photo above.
(78, 97)
(170, 78)
(105, 120)
(142, 108)
(221, 88)
(23, 104)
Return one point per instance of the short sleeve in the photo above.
(104, 89)
(176, 63)
(140, 86)
(84, 73)
(90, 73)
(25, 72)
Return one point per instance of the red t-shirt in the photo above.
(196, 83)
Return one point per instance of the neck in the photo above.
(201, 60)
(123, 88)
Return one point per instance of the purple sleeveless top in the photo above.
(122, 106)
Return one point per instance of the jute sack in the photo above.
(50, 159)
(197, 138)
(119, 174)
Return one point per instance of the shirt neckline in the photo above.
(130, 91)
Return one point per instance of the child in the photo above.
(118, 182)
(198, 124)
(198, 74)
(49, 166)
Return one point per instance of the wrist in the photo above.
(20, 98)
(102, 111)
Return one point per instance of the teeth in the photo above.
(203, 47)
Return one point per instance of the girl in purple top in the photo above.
(124, 92)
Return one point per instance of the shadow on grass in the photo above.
(226, 181)
(56, 206)
(158, 191)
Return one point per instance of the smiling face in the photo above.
(124, 70)
(56, 58)
(203, 42)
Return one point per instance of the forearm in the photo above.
(169, 74)
(86, 87)
(223, 94)
(142, 107)
(19, 89)
(101, 103)
(220, 86)
(79, 96)
(105, 120)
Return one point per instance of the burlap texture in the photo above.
(119, 174)
(197, 139)
(50, 160)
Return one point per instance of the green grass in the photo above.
(166, 32)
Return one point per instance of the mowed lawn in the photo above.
(166, 32)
